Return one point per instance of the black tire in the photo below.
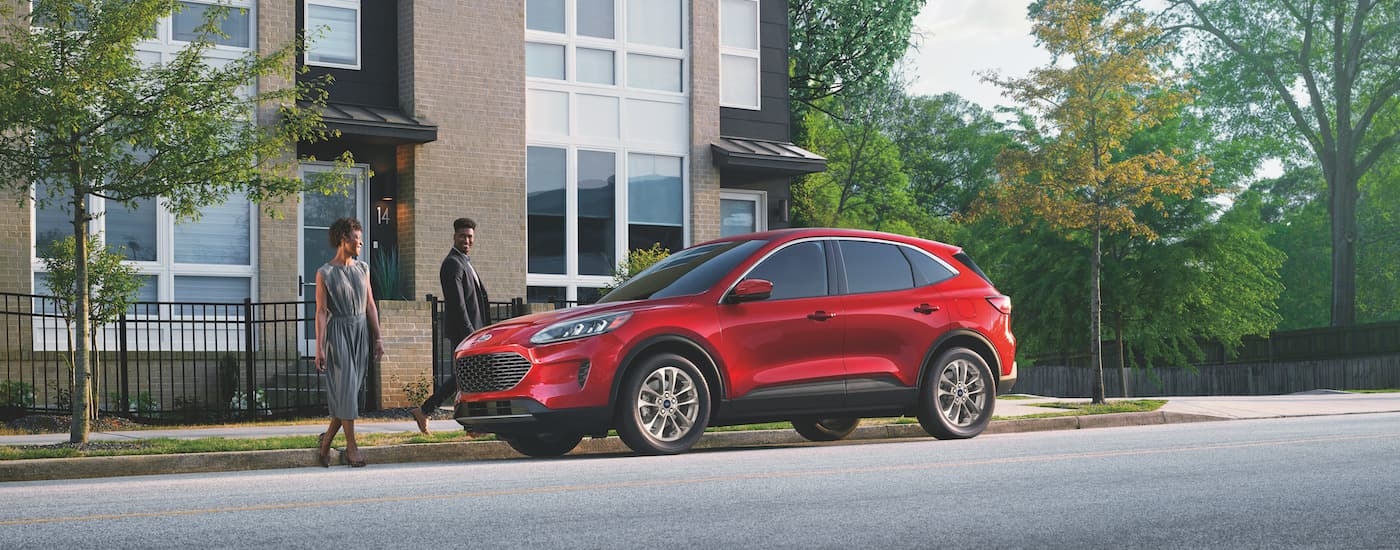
(543, 444)
(825, 429)
(957, 396)
(663, 405)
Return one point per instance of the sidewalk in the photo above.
(1010, 415)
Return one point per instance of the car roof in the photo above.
(795, 233)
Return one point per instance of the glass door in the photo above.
(317, 212)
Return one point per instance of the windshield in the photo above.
(690, 271)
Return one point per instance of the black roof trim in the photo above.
(376, 124)
(778, 158)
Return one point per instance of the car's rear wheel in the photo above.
(543, 444)
(825, 429)
(663, 405)
(957, 396)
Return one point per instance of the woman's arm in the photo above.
(372, 316)
(323, 313)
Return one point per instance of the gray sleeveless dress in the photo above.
(347, 336)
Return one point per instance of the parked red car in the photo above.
(820, 327)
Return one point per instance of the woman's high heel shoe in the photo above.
(323, 456)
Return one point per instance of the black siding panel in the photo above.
(771, 122)
(377, 82)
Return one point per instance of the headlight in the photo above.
(580, 328)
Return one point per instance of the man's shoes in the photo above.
(422, 419)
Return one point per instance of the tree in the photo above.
(83, 116)
(1321, 70)
(113, 286)
(948, 147)
(864, 184)
(1103, 86)
(838, 45)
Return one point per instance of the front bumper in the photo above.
(507, 416)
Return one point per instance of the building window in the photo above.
(607, 121)
(656, 202)
(546, 183)
(333, 33)
(742, 212)
(235, 25)
(739, 54)
(173, 33)
(176, 258)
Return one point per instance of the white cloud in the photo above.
(958, 39)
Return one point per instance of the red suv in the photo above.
(820, 327)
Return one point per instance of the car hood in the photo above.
(518, 330)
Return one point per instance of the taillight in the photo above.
(1001, 302)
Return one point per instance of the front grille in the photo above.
(490, 372)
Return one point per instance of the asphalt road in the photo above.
(1309, 482)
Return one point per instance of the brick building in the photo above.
(570, 130)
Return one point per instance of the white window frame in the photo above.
(754, 54)
(759, 200)
(359, 32)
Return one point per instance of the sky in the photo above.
(959, 38)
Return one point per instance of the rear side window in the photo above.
(927, 270)
(798, 271)
(875, 267)
(966, 260)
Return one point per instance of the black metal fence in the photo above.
(164, 361)
(184, 361)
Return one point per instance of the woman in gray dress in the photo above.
(347, 331)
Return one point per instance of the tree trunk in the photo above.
(1341, 206)
(82, 355)
(1095, 313)
(1122, 361)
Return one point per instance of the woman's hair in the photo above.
(341, 228)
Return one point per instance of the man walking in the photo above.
(465, 308)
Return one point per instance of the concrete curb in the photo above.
(135, 465)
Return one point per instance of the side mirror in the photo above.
(749, 290)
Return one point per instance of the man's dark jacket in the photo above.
(466, 302)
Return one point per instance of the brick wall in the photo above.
(15, 239)
(408, 349)
(704, 119)
(277, 241)
(462, 67)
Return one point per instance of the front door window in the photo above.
(318, 211)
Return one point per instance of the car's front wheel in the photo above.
(825, 429)
(957, 395)
(543, 444)
(663, 406)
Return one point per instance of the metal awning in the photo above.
(376, 123)
(778, 158)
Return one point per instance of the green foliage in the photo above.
(143, 403)
(835, 46)
(636, 262)
(948, 148)
(418, 390)
(113, 282)
(385, 276)
(15, 393)
(1294, 207)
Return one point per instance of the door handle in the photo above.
(925, 309)
(820, 315)
(301, 284)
